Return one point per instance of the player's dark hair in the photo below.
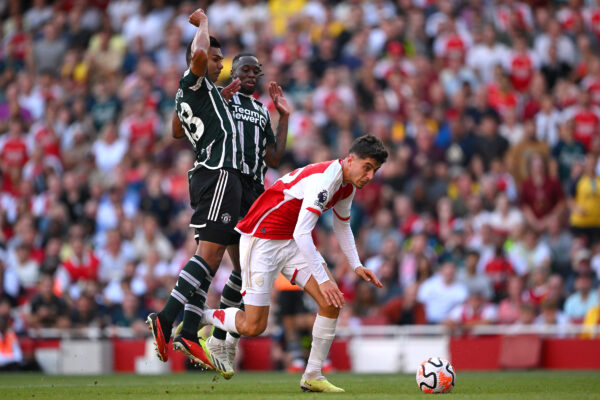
(368, 146)
(237, 58)
(188, 50)
(214, 42)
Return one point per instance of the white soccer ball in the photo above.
(436, 375)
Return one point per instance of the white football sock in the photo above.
(223, 318)
(322, 336)
(232, 340)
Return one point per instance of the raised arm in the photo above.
(200, 44)
(275, 151)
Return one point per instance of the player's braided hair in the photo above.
(369, 146)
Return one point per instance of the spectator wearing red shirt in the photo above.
(499, 269)
(537, 290)
(541, 195)
(476, 310)
(13, 147)
(141, 128)
(586, 119)
(80, 266)
(521, 64)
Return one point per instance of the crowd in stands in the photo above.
(487, 211)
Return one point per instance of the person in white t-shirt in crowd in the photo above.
(441, 293)
(486, 54)
(550, 314)
(529, 253)
(504, 218)
(109, 149)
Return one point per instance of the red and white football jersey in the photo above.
(13, 151)
(316, 187)
(586, 123)
(521, 67)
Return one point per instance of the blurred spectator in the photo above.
(85, 312)
(11, 355)
(591, 321)
(109, 149)
(409, 265)
(509, 309)
(9, 280)
(559, 242)
(441, 293)
(547, 122)
(476, 310)
(567, 152)
(79, 265)
(130, 314)
(113, 257)
(585, 213)
(499, 270)
(504, 219)
(149, 236)
(521, 155)
(585, 118)
(551, 315)
(541, 195)
(471, 279)
(48, 310)
(584, 298)
(104, 56)
(49, 51)
(26, 268)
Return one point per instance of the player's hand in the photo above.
(332, 294)
(228, 91)
(197, 17)
(279, 100)
(368, 276)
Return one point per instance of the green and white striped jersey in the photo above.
(207, 123)
(253, 124)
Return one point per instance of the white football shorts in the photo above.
(262, 260)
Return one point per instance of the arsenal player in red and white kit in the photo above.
(276, 238)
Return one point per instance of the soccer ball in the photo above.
(435, 375)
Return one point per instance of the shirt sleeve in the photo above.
(343, 232)
(307, 220)
(191, 81)
(317, 190)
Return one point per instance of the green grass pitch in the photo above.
(543, 385)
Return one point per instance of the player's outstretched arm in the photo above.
(200, 44)
(275, 151)
(176, 128)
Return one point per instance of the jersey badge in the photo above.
(321, 199)
(225, 218)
